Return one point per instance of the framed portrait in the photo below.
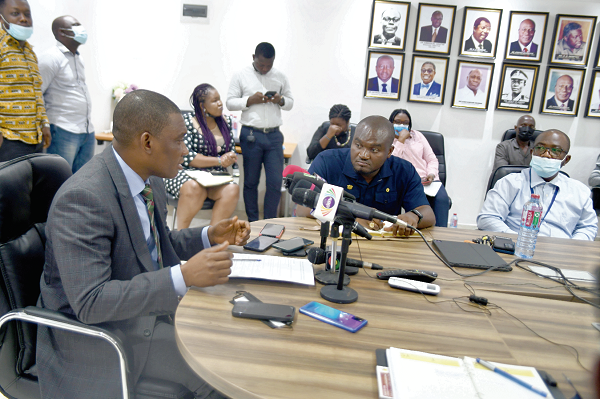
(592, 109)
(526, 33)
(428, 79)
(572, 39)
(472, 85)
(562, 91)
(480, 32)
(388, 24)
(435, 24)
(517, 87)
(597, 63)
(384, 74)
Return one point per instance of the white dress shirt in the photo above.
(467, 96)
(247, 82)
(67, 99)
(136, 185)
(571, 215)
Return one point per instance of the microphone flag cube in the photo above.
(328, 202)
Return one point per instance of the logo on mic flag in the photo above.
(328, 202)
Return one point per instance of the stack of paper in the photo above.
(424, 375)
(274, 268)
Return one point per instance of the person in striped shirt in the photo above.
(24, 127)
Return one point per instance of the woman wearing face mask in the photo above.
(413, 147)
(211, 148)
(334, 134)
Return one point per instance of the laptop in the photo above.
(474, 256)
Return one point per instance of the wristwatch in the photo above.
(282, 101)
(419, 214)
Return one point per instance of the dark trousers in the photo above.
(165, 362)
(441, 207)
(266, 149)
(11, 149)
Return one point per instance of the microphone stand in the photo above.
(329, 276)
(340, 293)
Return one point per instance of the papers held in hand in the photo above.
(207, 179)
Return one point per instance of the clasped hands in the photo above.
(397, 230)
(212, 266)
(228, 159)
(260, 98)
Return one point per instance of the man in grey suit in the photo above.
(111, 261)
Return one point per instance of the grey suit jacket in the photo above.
(98, 268)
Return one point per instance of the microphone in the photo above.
(356, 227)
(309, 199)
(318, 256)
(293, 174)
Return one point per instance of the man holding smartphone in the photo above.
(261, 92)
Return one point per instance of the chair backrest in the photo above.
(511, 134)
(505, 170)
(28, 185)
(436, 141)
(326, 125)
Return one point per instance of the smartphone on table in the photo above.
(332, 316)
(272, 230)
(293, 244)
(261, 243)
(263, 311)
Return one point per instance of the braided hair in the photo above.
(198, 97)
(340, 111)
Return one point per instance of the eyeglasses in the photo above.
(555, 152)
(388, 19)
(426, 70)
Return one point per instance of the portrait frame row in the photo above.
(571, 39)
(473, 80)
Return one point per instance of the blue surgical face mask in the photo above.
(545, 167)
(399, 128)
(79, 34)
(19, 32)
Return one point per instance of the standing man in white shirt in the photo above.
(261, 92)
(66, 95)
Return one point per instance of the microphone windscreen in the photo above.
(316, 256)
(291, 169)
(305, 197)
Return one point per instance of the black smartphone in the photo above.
(504, 245)
(263, 311)
(270, 93)
(261, 243)
(301, 252)
(272, 230)
(293, 244)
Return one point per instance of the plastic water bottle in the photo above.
(454, 221)
(530, 227)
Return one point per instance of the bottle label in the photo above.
(532, 219)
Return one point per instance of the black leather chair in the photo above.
(506, 170)
(27, 186)
(511, 134)
(352, 130)
(596, 199)
(436, 141)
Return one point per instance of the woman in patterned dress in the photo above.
(211, 148)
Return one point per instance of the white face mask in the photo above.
(79, 34)
(19, 32)
(545, 167)
(399, 128)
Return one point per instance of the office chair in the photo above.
(436, 141)
(505, 170)
(29, 184)
(208, 204)
(511, 134)
(596, 199)
(327, 124)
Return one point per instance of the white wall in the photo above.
(322, 47)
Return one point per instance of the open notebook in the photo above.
(427, 376)
(207, 179)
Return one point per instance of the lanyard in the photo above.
(551, 202)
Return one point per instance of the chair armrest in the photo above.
(54, 319)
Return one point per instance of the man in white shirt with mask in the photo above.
(66, 95)
(567, 206)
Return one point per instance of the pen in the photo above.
(247, 260)
(511, 377)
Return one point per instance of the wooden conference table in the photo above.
(244, 358)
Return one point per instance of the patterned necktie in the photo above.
(480, 46)
(434, 35)
(563, 107)
(384, 90)
(149, 199)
